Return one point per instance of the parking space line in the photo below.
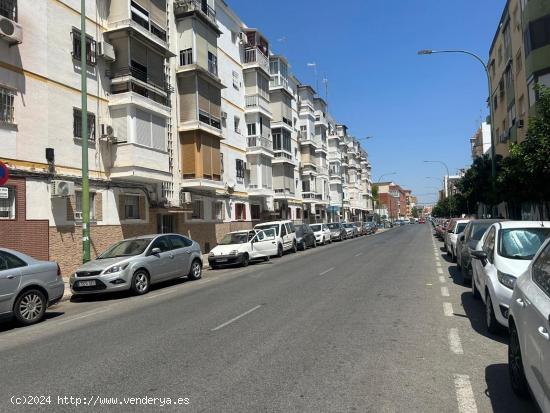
(83, 316)
(448, 309)
(359, 254)
(235, 318)
(464, 394)
(150, 296)
(327, 271)
(438, 264)
(441, 279)
(439, 270)
(454, 341)
(444, 291)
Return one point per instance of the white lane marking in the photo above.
(327, 271)
(454, 341)
(436, 255)
(464, 394)
(438, 263)
(441, 279)
(84, 316)
(359, 254)
(448, 309)
(159, 294)
(444, 291)
(439, 271)
(236, 318)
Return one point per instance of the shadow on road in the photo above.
(475, 311)
(7, 323)
(499, 391)
(456, 275)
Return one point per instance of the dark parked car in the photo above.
(337, 231)
(305, 237)
(467, 242)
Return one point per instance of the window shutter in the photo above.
(71, 206)
(214, 204)
(158, 12)
(98, 201)
(216, 159)
(206, 149)
(223, 211)
(204, 104)
(142, 214)
(244, 212)
(215, 101)
(121, 207)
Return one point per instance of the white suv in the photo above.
(285, 235)
(322, 233)
(529, 324)
(506, 250)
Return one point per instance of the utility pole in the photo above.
(84, 132)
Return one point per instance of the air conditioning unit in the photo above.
(185, 198)
(106, 51)
(106, 130)
(243, 38)
(10, 31)
(62, 188)
(224, 114)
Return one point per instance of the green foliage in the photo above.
(415, 212)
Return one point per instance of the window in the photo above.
(131, 207)
(281, 140)
(240, 166)
(537, 34)
(8, 8)
(218, 213)
(499, 55)
(9, 261)
(512, 115)
(186, 57)
(90, 48)
(519, 62)
(240, 212)
(255, 212)
(7, 205)
(213, 63)
(178, 241)
(162, 243)
(495, 103)
(78, 206)
(77, 124)
(522, 106)
(7, 98)
(237, 123)
(198, 209)
(236, 83)
(251, 129)
(541, 270)
(489, 244)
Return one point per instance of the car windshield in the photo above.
(316, 227)
(478, 230)
(270, 226)
(127, 248)
(235, 238)
(460, 227)
(521, 243)
(300, 231)
(333, 225)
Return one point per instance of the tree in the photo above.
(415, 212)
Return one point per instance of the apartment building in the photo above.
(519, 59)
(393, 198)
(480, 143)
(194, 127)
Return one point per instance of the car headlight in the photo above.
(211, 254)
(234, 252)
(507, 280)
(116, 268)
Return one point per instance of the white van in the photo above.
(285, 235)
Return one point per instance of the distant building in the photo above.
(481, 141)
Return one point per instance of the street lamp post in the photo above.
(84, 135)
(490, 97)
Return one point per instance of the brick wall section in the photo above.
(28, 237)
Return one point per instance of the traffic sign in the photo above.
(4, 192)
(4, 173)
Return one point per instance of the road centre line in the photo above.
(448, 309)
(444, 291)
(454, 341)
(236, 318)
(327, 271)
(464, 394)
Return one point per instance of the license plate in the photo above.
(90, 283)
(222, 260)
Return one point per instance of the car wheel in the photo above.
(295, 247)
(314, 243)
(458, 263)
(246, 260)
(475, 292)
(196, 270)
(453, 256)
(140, 282)
(280, 251)
(493, 326)
(519, 383)
(30, 307)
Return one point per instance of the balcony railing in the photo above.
(257, 101)
(279, 153)
(186, 6)
(323, 170)
(256, 186)
(259, 142)
(285, 191)
(136, 73)
(253, 55)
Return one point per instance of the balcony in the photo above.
(311, 139)
(310, 197)
(138, 163)
(283, 156)
(253, 57)
(260, 190)
(184, 8)
(322, 170)
(257, 102)
(259, 145)
(321, 146)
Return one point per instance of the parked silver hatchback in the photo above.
(137, 263)
(28, 286)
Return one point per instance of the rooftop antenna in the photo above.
(325, 82)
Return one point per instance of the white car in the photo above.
(529, 324)
(322, 233)
(506, 250)
(285, 235)
(451, 236)
(240, 247)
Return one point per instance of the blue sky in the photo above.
(416, 107)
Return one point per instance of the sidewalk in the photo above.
(68, 294)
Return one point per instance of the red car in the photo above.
(421, 221)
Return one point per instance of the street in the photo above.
(379, 323)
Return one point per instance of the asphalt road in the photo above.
(379, 324)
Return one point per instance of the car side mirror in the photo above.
(480, 255)
(155, 251)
